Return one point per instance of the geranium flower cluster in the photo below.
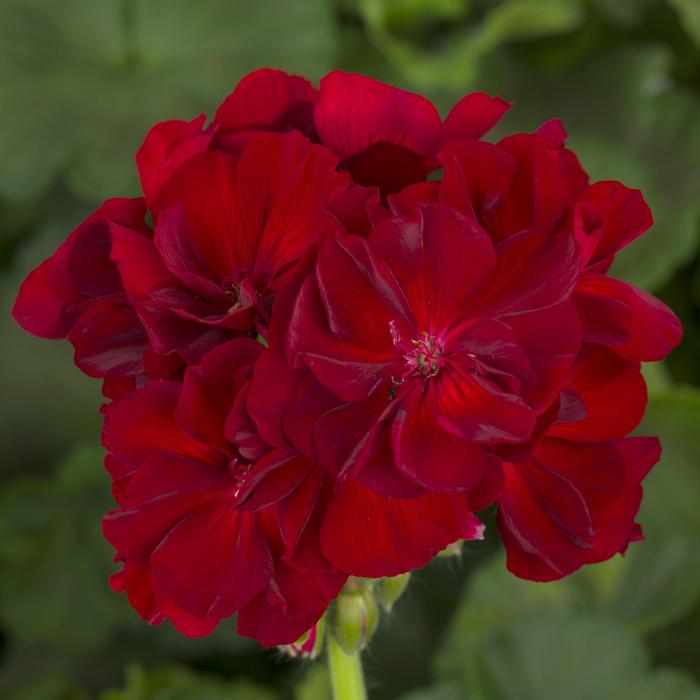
(333, 329)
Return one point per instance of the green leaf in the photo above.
(623, 12)
(49, 687)
(553, 659)
(443, 691)
(176, 683)
(315, 685)
(689, 13)
(664, 685)
(656, 376)
(576, 659)
(54, 562)
(670, 502)
(493, 600)
(654, 585)
(522, 640)
(659, 581)
(83, 81)
(454, 63)
(417, 15)
(54, 570)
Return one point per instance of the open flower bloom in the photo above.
(191, 554)
(323, 360)
(433, 347)
(532, 181)
(232, 228)
(572, 497)
(189, 467)
(405, 532)
(384, 137)
(633, 323)
(77, 293)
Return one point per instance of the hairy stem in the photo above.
(346, 673)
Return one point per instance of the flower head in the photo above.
(324, 356)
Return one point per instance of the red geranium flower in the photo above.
(434, 344)
(361, 531)
(633, 323)
(572, 498)
(383, 136)
(390, 138)
(230, 229)
(434, 347)
(77, 293)
(178, 481)
(532, 181)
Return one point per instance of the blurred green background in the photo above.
(80, 83)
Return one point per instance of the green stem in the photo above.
(346, 673)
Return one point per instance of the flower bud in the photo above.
(390, 589)
(355, 617)
(309, 645)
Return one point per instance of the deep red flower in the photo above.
(531, 181)
(230, 230)
(633, 323)
(178, 481)
(434, 345)
(383, 136)
(389, 138)
(362, 531)
(572, 498)
(77, 293)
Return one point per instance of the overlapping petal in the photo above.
(324, 355)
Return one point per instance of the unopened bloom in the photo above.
(355, 616)
(390, 589)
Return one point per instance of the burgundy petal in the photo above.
(405, 534)
(474, 115)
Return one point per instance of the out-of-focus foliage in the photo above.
(173, 683)
(465, 35)
(315, 684)
(438, 692)
(80, 83)
(620, 123)
(689, 12)
(83, 80)
(49, 537)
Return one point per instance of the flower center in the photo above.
(240, 472)
(234, 293)
(422, 355)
